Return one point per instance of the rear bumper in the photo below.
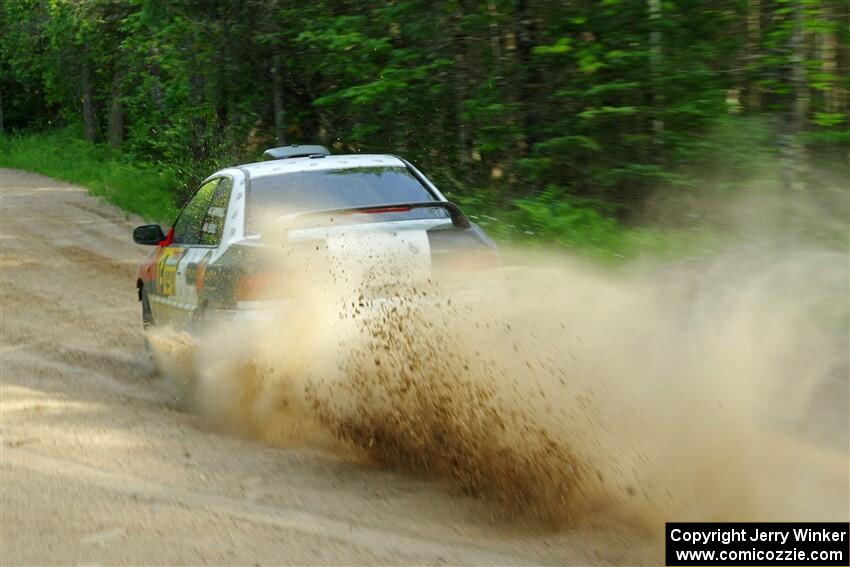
(284, 309)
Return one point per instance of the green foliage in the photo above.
(556, 220)
(568, 114)
(63, 155)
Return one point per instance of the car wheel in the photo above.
(147, 323)
(147, 317)
(198, 321)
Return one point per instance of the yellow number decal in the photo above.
(166, 270)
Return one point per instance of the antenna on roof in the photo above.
(295, 151)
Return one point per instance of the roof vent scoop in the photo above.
(287, 152)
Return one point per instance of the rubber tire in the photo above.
(147, 316)
(199, 320)
(147, 323)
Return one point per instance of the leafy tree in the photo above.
(590, 104)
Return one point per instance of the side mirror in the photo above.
(149, 234)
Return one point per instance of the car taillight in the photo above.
(253, 287)
(200, 274)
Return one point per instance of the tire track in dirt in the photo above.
(382, 541)
(97, 466)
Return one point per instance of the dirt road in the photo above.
(100, 466)
(99, 463)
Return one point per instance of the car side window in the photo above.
(187, 229)
(213, 226)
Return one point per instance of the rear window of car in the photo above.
(273, 197)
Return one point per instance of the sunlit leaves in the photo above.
(561, 46)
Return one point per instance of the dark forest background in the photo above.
(558, 114)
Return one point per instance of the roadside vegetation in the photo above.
(548, 220)
(138, 189)
(561, 123)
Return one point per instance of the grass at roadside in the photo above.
(137, 189)
(558, 221)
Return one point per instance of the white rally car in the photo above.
(214, 260)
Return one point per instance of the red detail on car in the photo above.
(147, 269)
(200, 273)
(169, 237)
(254, 286)
(378, 210)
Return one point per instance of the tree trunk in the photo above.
(156, 94)
(842, 28)
(116, 114)
(753, 54)
(204, 118)
(89, 127)
(461, 90)
(655, 39)
(829, 58)
(841, 20)
(279, 110)
(800, 104)
(524, 30)
(792, 151)
(493, 28)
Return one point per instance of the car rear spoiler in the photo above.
(459, 219)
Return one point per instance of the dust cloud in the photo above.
(557, 389)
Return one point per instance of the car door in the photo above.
(168, 300)
(192, 264)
